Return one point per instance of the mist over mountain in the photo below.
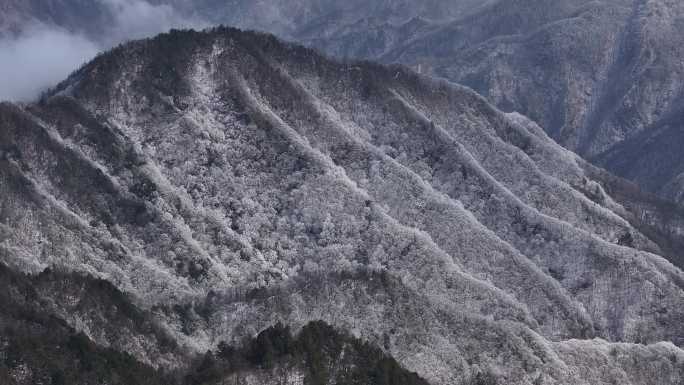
(193, 190)
(23, 60)
(42, 42)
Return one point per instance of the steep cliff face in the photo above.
(226, 182)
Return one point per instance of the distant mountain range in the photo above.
(194, 191)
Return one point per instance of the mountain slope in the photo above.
(599, 76)
(38, 346)
(596, 75)
(228, 181)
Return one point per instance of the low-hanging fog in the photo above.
(40, 55)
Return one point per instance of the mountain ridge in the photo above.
(598, 76)
(229, 181)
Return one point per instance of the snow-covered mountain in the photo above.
(603, 78)
(225, 181)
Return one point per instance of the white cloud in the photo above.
(38, 58)
(41, 56)
(134, 19)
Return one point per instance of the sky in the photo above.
(42, 55)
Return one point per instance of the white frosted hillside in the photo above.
(231, 182)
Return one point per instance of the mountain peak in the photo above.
(227, 181)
